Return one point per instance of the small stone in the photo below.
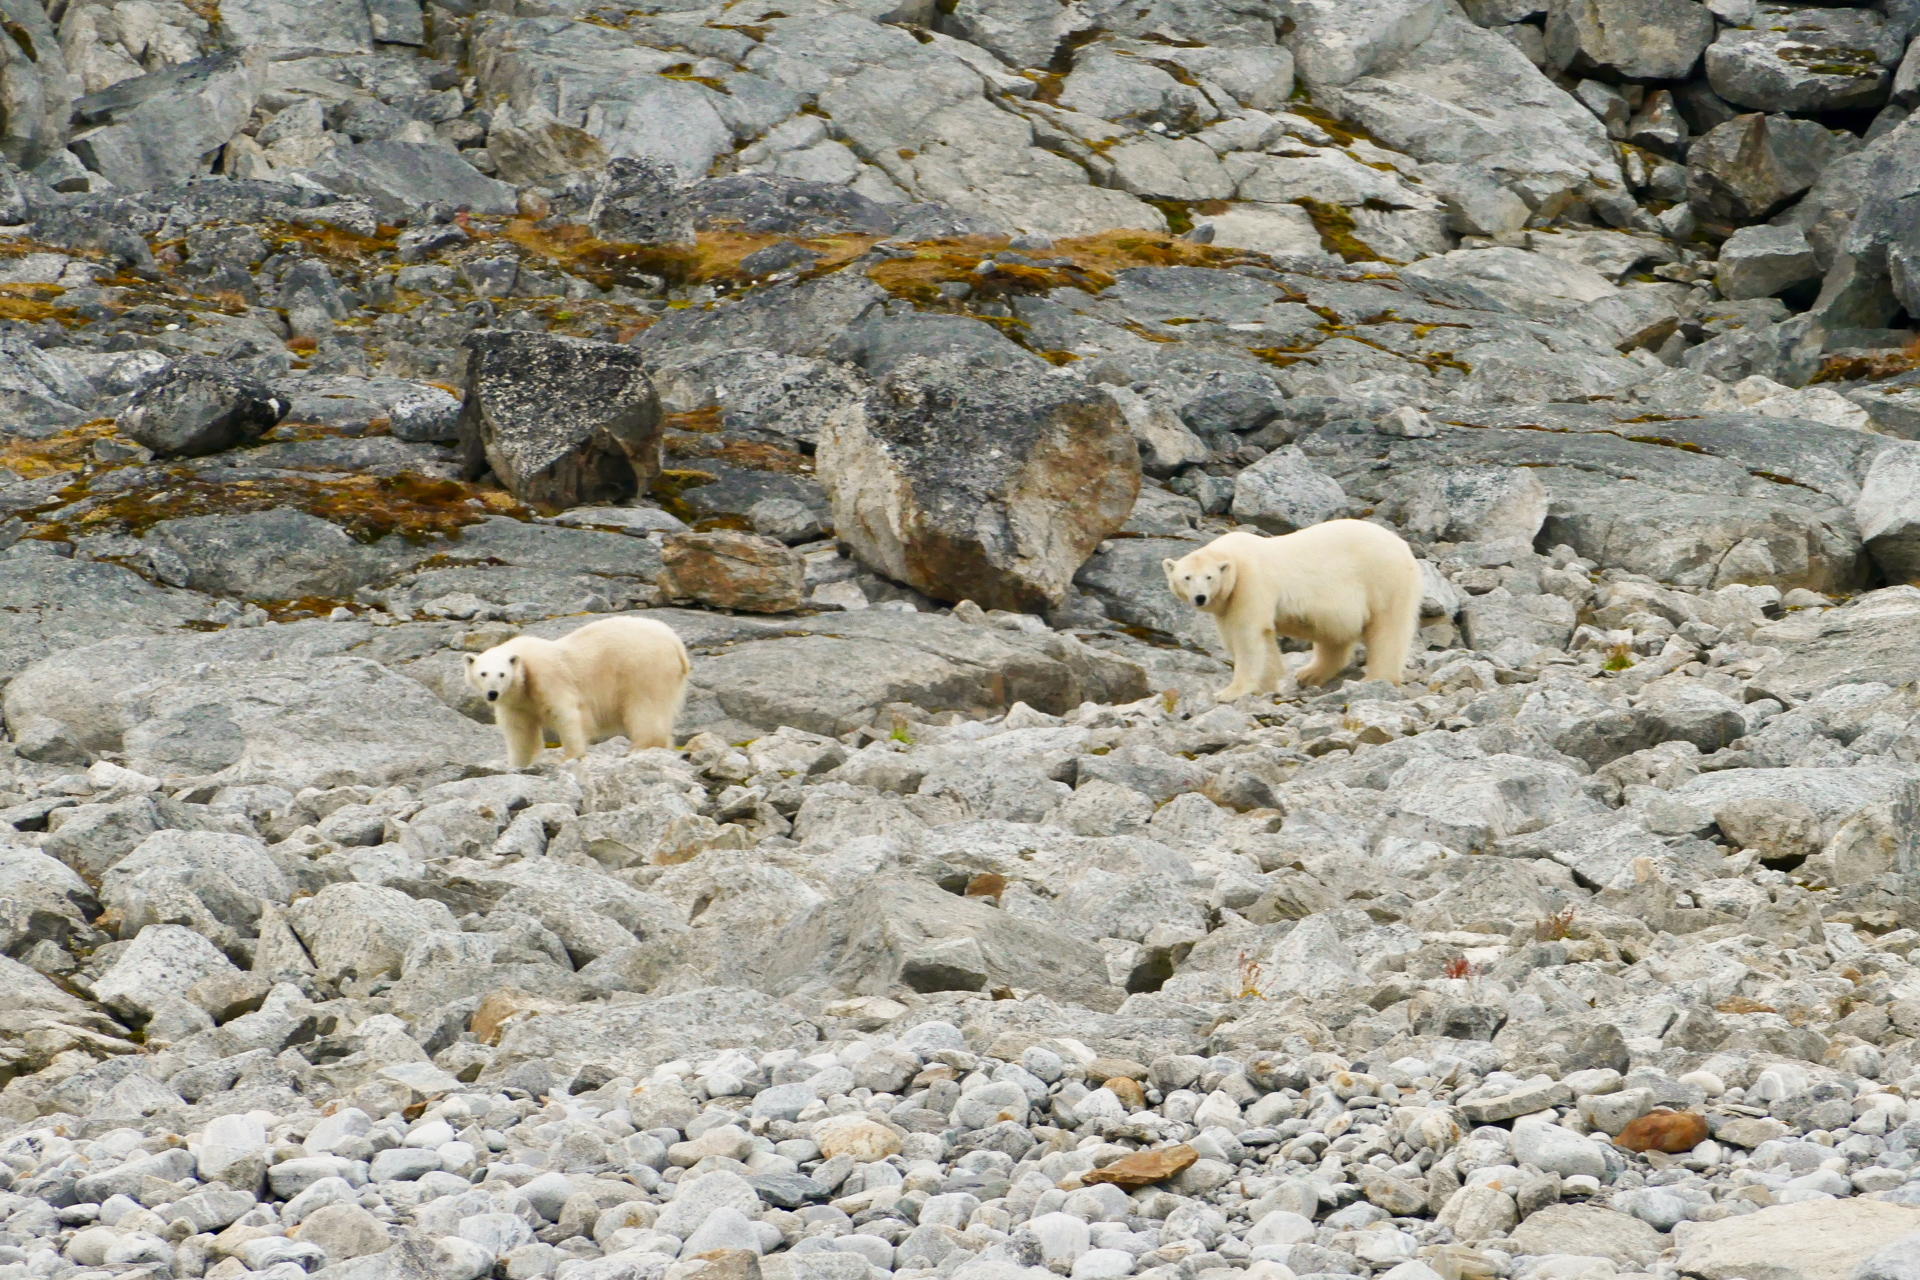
(863, 1139)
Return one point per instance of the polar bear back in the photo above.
(1339, 573)
(602, 669)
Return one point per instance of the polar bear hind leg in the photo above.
(1389, 637)
(1330, 658)
(649, 724)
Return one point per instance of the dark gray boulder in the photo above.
(200, 406)
(639, 201)
(562, 421)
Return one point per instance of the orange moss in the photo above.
(67, 450)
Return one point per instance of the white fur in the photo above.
(616, 676)
(1333, 584)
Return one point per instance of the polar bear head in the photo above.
(1202, 578)
(496, 673)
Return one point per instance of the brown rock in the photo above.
(1144, 1168)
(727, 1264)
(1668, 1131)
(1131, 1095)
(730, 570)
(1104, 1069)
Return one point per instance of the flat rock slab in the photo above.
(1818, 1240)
(55, 605)
(633, 1039)
(857, 663)
(1876, 639)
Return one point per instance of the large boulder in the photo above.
(158, 128)
(1758, 262)
(965, 483)
(280, 554)
(1283, 493)
(1639, 39)
(364, 930)
(638, 201)
(1751, 165)
(199, 406)
(633, 1038)
(1815, 1240)
(564, 422)
(397, 178)
(1888, 510)
(1806, 59)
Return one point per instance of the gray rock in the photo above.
(45, 740)
(918, 935)
(1804, 60)
(561, 421)
(280, 554)
(1751, 165)
(363, 931)
(200, 406)
(155, 129)
(1758, 262)
(398, 178)
(989, 488)
(1889, 512)
(1283, 493)
(637, 200)
(1638, 39)
(163, 961)
(634, 1038)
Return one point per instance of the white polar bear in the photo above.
(1332, 584)
(615, 676)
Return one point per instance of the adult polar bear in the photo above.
(618, 675)
(1333, 584)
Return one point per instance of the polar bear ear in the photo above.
(1225, 588)
(513, 659)
(472, 658)
(1167, 567)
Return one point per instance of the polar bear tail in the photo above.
(1389, 633)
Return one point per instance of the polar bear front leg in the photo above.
(521, 729)
(1242, 643)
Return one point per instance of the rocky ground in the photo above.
(884, 353)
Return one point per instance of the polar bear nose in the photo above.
(493, 695)
(1200, 599)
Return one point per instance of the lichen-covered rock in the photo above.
(200, 406)
(561, 421)
(994, 489)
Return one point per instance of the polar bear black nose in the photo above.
(1200, 599)
(493, 695)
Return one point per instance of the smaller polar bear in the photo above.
(615, 676)
(1332, 584)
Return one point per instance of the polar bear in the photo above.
(1332, 584)
(618, 675)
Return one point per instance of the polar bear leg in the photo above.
(649, 724)
(1389, 636)
(522, 732)
(571, 728)
(1329, 660)
(1273, 672)
(1243, 641)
